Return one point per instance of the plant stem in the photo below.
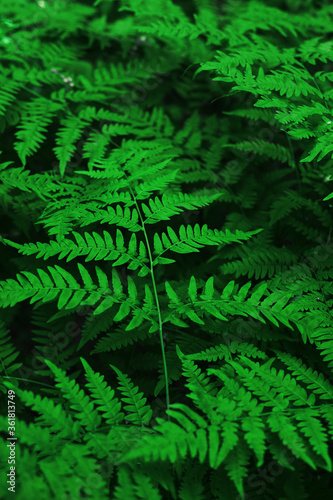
(160, 323)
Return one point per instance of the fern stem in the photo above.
(28, 380)
(160, 323)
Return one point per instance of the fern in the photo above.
(166, 271)
(140, 414)
(8, 354)
(36, 116)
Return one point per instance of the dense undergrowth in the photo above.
(166, 249)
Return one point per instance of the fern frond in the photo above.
(83, 406)
(53, 416)
(274, 307)
(70, 132)
(314, 380)
(310, 425)
(255, 436)
(285, 384)
(94, 247)
(8, 91)
(64, 286)
(36, 116)
(190, 239)
(144, 487)
(118, 339)
(287, 432)
(8, 352)
(223, 351)
(125, 487)
(264, 148)
(104, 397)
(140, 413)
(44, 186)
(39, 438)
(122, 217)
(95, 148)
(167, 206)
(236, 466)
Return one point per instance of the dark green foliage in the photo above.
(167, 262)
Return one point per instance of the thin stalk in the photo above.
(160, 323)
(27, 380)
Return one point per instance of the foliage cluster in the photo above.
(166, 255)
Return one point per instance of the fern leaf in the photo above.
(53, 416)
(104, 397)
(192, 487)
(37, 115)
(236, 466)
(191, 239)
(140, 413)
(125, 487)
(94, 247)
(70, 132)
(230, 437)
(8, 353)
(144, 487)
(63, 285)
(288, 434)
(7, 94)
(312, 428)
(314, 380)
(167, 206)
(255, 436)
(79, 402)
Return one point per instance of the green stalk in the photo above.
(160, 323)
